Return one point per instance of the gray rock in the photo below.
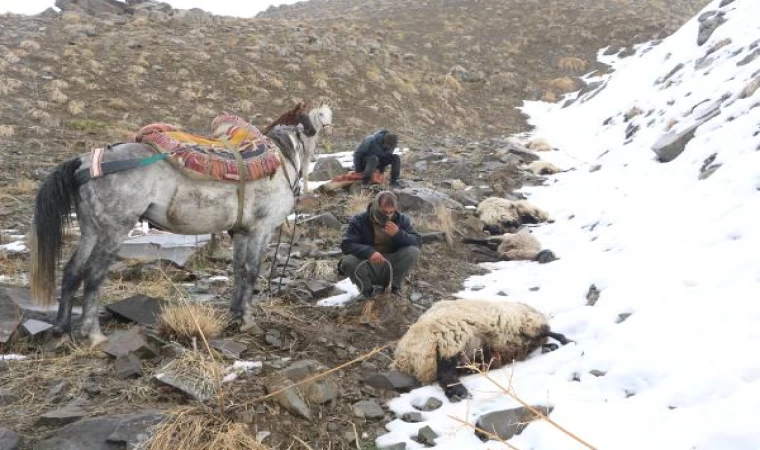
(327, 220)
(61, 417)
(669, 146)
(368, 409)
(398, 446)
(521, 151)
(319, 288)
(198, 388)
(133, 428)
(94, 433)
(508, 423)
(10, 317)
(175, 248)
(58, 392)
(273, 338)
(412, 417)
(8, 439)
(433, 236)
(426, 436)
(319, 391)
(142, 309)
(431, 404)
(424, 200)
(392, 380)
(708, 26)
(132, 340)
(290, 398)
(128, 366)
(597, 373)
(33, 327)
(230, 348)
(7, 397)
(326, 168)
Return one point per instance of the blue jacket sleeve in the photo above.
(352, 241)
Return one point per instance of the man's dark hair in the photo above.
(390, 141)
(387, 197)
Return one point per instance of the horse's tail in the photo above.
(56, 198)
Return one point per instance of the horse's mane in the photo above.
(289, 118)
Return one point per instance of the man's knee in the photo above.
(409, 254)
(348, 264)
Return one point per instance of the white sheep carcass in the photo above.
(522, 246)
(510, 214)
(453, 333)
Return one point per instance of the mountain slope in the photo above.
(665, 356)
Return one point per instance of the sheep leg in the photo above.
(484, 241)
(559, 337)
(448, 378)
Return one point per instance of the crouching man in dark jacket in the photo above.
(376, 238)
(376, 153)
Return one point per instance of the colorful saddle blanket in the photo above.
(237, 151)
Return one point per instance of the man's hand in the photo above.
(377, 258)
(391, 228)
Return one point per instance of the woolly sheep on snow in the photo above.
(522, 246)
(453, 333)
(495, 211)
(543, 168)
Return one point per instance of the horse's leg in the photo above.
(95, 272)
(240, 241)
(73, 274)
(247, 260)
(306, 160)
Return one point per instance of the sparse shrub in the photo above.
(12, 58)
(9, 85)
(117, 103)
(76, 107)
(6, 131)
(563, 84)
(29, 44)
(87, 125)
(58, 96)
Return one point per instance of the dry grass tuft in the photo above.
(178, 322)
(317, 269)
(6, 131)
(191, 429)
(357, 203)
(572, 64)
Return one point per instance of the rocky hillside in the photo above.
(449, 67)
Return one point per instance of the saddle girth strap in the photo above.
(242, 178)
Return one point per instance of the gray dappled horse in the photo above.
(107, 207)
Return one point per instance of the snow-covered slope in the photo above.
(670, 243)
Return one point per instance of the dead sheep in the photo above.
(543, 168)
(522, 246)
(540, 145)
(453, 334)
(500, 212)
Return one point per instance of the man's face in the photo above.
(387, 208)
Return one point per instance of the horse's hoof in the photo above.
(249, 326)
(97, 339)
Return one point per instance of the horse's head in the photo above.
(322, 117)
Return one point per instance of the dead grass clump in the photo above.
(76, 107)
(563, 84)
(572, 64)
(9, 85)
(319, 269)
(29, 44)
(183, 323)
(358, 202)
(21, 187)
(192, 429)
(58, 96)
(6, 131)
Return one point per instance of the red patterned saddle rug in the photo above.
(237, 151)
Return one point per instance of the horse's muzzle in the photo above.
(328, 130)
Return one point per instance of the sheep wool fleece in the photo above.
(452, 327)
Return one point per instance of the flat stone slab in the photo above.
(33, 327)
(142, 309)
(10, 317)
(132, 427)
(122, 343)
(61, 417)
(9, 439)
(230, 348)
(392, 381)
(177, 248)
